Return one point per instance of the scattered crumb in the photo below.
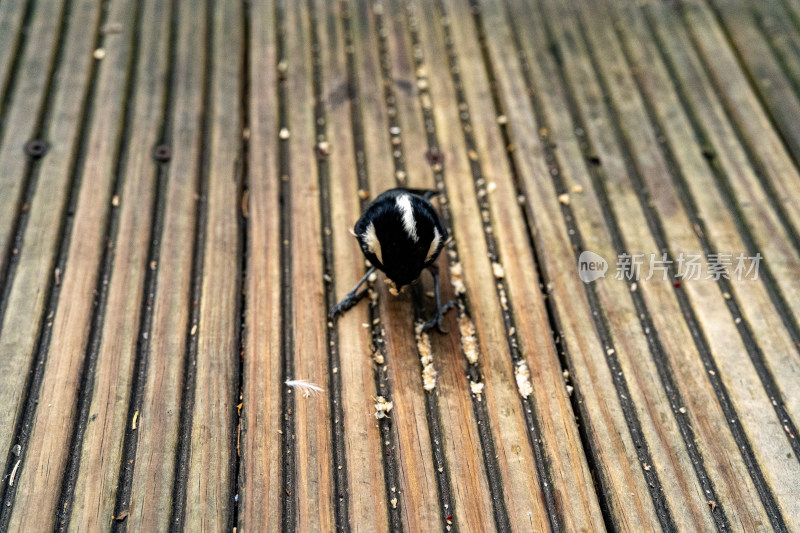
(194, 330)
(523, 375)
(363, 194)
(115, 200)
(372, 277)
(394, 503)
(382, 407)
(99, 53)
(610, 351)
(305, 387)
(726, 295)
(577, 189)
(378, 358)
(682, 410)
(422, 84)
(634, 286)
(476, 388)
(111, 28)
(135, 418)
(570, 389)
(473, 155)
(323, 148)
(425, 357)
(498, 270)
(400, 175)
(469, 343)
(284, 133)
(457, 278)
(563, 198)
(565, 373)
(491, 186)
(543, 132)
(502, 119)
(646, 466)
(713, 504)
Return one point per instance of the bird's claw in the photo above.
(436, 319)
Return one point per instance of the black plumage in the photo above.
(400, 233)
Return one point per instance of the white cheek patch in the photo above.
(372, 242)
(409, 224)
(437, 238)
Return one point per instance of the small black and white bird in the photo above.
(400, 233)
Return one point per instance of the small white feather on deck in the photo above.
(306, 388)
(409, 224)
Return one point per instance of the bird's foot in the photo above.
(436, 319)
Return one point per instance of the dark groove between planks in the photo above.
(657, 231)
(183, 448)
(105, 273)
(237, 474)
(340, 498)
(10, 83)
(483, 425)
(533, 421)
(24, 427)
(725, 287)
(432, 410)
(750, 151)
(288, 471)
(142, 360)
(382, 385)
(663, 366)
(11, 255)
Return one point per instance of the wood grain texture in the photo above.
(26, 293)
(259, 441)
(143, 379)
(209, 505)
(96, 488)
(362, 439)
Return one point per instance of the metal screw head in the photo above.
(162, 153)
(36, 148)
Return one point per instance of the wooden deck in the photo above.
(177, 182)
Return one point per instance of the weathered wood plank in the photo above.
(703, 197)
(30, 293)
(13, 35)
(362, 439)
(577, 141)
(19, 121)
(471, 506)
(158, 418)
(17, 344)
(260, 448)
(314, 486)
(415, 489)
(702, 303)
(759, 64)
(209, 504)
(620, 468)
(100, 461)
(779, 174)
(45, 461)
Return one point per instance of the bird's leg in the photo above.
(441, 310)
(353, 297)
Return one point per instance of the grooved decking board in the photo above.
(170, 261)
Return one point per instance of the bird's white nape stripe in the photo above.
(409, 224)
(372, 242)
(437, 237)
